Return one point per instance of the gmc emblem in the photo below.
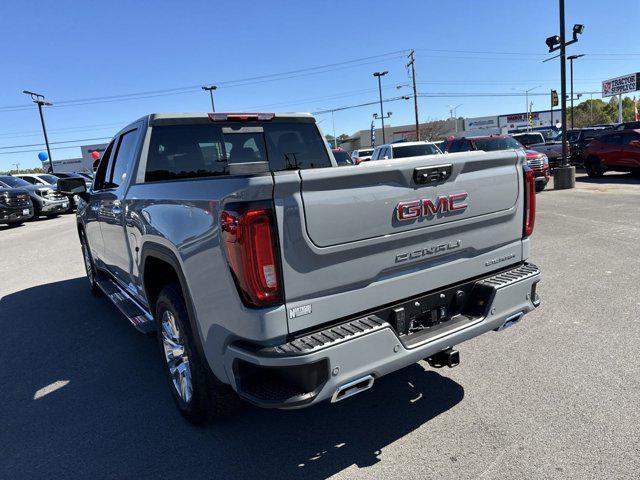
(429, 208)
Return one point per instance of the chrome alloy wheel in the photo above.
(176, 356)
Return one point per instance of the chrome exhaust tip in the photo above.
(350, 389)
(509, 322)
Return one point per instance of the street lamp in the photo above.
(453, 112)
(39, 100)
(565, 175)
(571, 58)
(379, 75)
(528, 107)
(210, 89)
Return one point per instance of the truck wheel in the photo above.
(14, 224)
(36, 210)
(200, 397)
(540, 186)
(593, 167)
(90, 267)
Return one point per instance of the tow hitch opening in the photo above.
(449, 358)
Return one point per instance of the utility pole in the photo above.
(453, 113)
(210, 89)
(379, 75)
(39, 100)
(415, 92)
(571, 58)
(565, 175)
(620, 108)
(17, 164)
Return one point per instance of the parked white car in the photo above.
(392, 151)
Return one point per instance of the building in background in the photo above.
(513, 122)
(434, 130)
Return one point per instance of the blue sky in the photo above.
(91, 50)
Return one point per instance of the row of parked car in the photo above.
(537, 161)
(32, 195)
(598, 149)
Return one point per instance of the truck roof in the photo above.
(202, 117)
(181, 115)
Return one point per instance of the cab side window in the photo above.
(101, 173)
(123, 158)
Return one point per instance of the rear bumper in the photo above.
(310, 369)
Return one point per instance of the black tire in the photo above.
(540, 186)
(52, 215)
(210, 399)
(36, 209)
(90, 268)
(14, 224)
(594, 168)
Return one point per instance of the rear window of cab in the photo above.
(207, 150)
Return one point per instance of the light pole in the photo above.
(526, 94)
(565, 175)
(379, 75)
(453, 112)
(571, 58)
(210, 89)
(39, 100)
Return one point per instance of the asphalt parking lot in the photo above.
(83, 394)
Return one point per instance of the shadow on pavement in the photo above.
(611, 177)
(115, 417)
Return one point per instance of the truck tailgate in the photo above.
(354, 238)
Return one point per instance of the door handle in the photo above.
(438, 173)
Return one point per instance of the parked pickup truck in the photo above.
(269, 272)
(535, 141)
(15, 206)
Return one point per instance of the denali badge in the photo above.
(428, 208)
(427, 252)
(299, 311)
(493, 261)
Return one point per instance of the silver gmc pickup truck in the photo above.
(272, 275)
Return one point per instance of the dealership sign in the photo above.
(620, 85)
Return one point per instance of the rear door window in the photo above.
(628, 137)
(459, 146)
(615, 138)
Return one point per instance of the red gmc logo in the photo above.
(429, 208)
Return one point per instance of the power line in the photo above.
(315, 70)
(53, 143)
(39, 149)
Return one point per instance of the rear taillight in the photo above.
(358, 161)
(529, 201)
(250, 242)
